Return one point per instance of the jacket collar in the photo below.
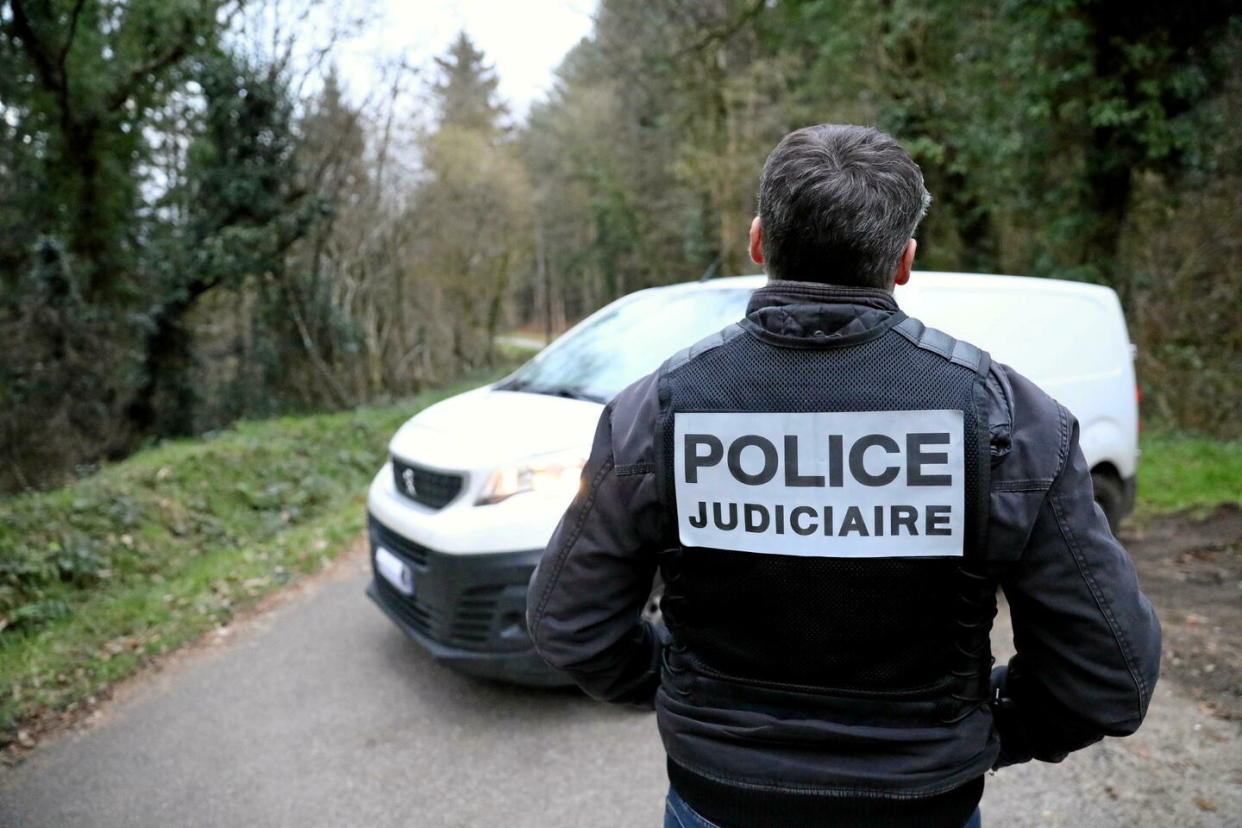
(779, 292)
(815, 315)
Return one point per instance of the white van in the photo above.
(475, 484)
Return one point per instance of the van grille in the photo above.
(422, 485)
(469, 625)
(476, 612)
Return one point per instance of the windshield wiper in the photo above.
(513, 385)
(552, 391)
(569, 393)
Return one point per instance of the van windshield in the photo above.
(628, 339)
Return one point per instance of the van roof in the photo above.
(998, 313)
(931, 279)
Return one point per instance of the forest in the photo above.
(200, 221)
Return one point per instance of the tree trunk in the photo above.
(165, 404)
(1107, 204)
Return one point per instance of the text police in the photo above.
(844, 484)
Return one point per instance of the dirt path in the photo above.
(1192, 571)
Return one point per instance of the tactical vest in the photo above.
(826, 514)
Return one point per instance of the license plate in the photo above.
(394, 571)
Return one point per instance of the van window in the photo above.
(628, 339)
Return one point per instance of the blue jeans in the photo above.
(677, 814)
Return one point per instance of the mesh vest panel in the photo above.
(866, 625)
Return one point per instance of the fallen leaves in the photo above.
(1204, 804)
(127, 643)
(1214, 736)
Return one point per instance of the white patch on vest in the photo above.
(864, 484)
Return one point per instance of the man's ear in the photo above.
(905, 263)
(756, 241)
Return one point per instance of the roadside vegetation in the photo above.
(1185, 471)
(98, 577)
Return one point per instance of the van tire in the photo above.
(1111, 495)
(651, 612)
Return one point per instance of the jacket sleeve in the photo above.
(1087, 639)
(586, 596)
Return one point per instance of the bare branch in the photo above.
(174, 53)
(73, 33)
(178, 50)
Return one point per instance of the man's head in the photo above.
(839, 204)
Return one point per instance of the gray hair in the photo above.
(837, 204)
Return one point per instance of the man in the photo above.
(832, 493)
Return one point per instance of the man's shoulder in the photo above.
(957, 351)
(635, 411)
(708, 343)
(632, 416)
(1030, 431)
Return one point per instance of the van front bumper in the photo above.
(468, 611)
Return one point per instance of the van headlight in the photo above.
(556, 474)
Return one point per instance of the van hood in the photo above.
(486, 428)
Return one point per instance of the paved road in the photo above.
(321, 714)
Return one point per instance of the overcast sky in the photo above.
(524, 39)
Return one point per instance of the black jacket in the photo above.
(1087, 640)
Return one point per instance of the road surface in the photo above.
(320, 713)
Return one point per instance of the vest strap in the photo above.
(939, 342)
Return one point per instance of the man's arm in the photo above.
(586, 597)
(1087, 639)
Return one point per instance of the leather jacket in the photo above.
(1087, 639)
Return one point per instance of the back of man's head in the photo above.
(837, 204)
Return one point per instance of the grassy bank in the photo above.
(1186, 471)
(146, 555)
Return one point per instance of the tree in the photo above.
(466, 88)
(1103, 93)
(473, 207)
(243, 203)
(79, 81)
(475, 211)
(150, 166)
(96, 71)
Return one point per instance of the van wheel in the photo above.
(1111, 496)
(651, 612)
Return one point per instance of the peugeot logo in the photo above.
(407, 477)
